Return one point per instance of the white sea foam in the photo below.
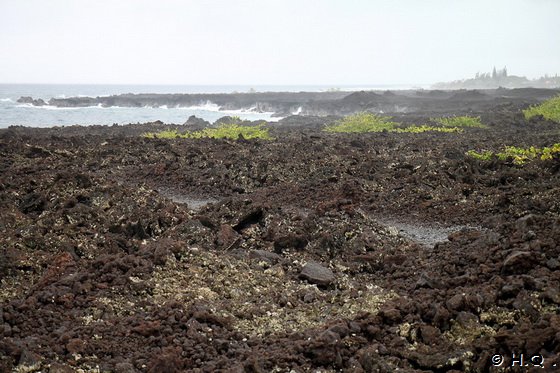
(298, 111)
(47, 107)
(100, 106)
(6, 100)
(63, 96)
(51, 107)
(212, 107)
(207, 106)
(246, 111)
(274, 119)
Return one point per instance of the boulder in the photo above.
(518, 262)
(32, 101)
(266, 256)
(196, 123)
(316, 273)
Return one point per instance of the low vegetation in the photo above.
(519, 156)
(550, 109)
(368, 122)
(362, 123)
(485, 155)
(166, 134)
(234, 131)
(224, 131)
(425, 128)
(459, 122)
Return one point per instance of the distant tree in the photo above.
(477, 76)
(494, 73)
(505, 72)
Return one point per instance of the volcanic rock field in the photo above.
(310, 252)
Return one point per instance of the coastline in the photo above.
(284, 104)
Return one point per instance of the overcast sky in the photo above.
(328, 42)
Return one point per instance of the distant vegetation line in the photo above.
(500, 78)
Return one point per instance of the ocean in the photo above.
(14, 113)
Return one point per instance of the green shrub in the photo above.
(223, 131)
(519, 156)
(548, 153)
(166, 134)
(425, 128)
(461, 121)
(368, 122)
(232, 131)
(483, 156)
(549, 109)
(361, 123)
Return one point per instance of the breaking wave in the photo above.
(298, 111)
(213, 107)
(207, 106)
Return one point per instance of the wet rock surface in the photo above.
(289, 266)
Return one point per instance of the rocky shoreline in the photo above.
(310, 252)
(320, 103)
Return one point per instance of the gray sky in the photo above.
(326, 42)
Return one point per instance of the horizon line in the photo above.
(228, 84)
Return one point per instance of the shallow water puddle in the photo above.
(192, 202)
(426, 234)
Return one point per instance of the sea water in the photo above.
(14, 113)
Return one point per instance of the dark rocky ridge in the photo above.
(321, 103)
